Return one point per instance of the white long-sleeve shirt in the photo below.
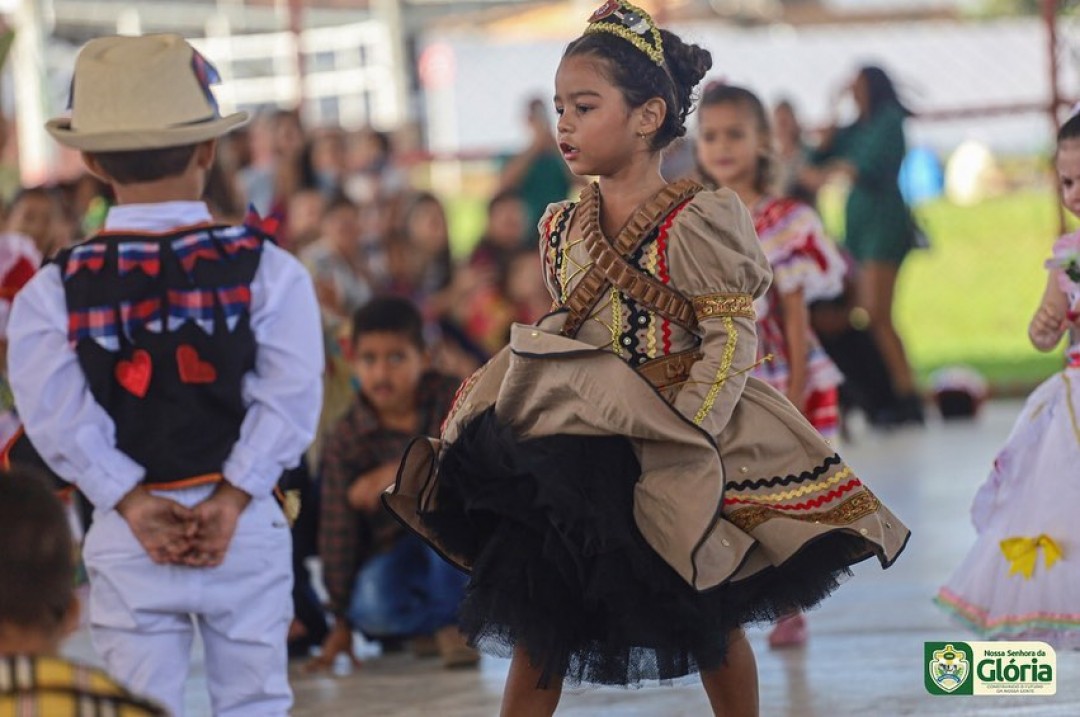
(76, 436)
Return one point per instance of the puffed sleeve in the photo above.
(805, 259)
(552, 229)
(716, 261)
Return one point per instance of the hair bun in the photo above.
(688, 65)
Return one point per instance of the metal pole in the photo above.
(36, 151)
(389, 13)
(1049, 13)
(296, 27)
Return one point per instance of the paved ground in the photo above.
(865, 655)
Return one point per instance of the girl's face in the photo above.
(1068, 169)
(426, 228)
(597, 131)
(288, 137)
(328, 154)
(33, 216)
(729, 144)
(341, 226)
(506, 222)
(785, 125)
(306, 209)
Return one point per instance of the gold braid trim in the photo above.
(616, 321)
(724, 304)
(722, 373)
(858, 506)
(633, 38)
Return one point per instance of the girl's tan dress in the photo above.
(622, 491)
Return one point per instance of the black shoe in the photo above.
(911, 409)
(300, 648)
(886, 417)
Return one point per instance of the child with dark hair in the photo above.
(1021, 577)
(169, 367)
(33, 212)
(618, 486)
(878, 227)
(734, 151)
(38, 608)
(381, 579)
(268, 187)
(337, 263)
(25, 239)
(484, 311)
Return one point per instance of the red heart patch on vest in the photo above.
(192, 368)
(134, 375)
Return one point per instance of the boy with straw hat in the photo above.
(170, 368)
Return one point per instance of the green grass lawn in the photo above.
(967, 299)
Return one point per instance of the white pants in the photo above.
(143, 615)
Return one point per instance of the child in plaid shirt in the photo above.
(383, 580)
(38, 608)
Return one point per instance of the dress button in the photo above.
(534, 334)
(864, 531)
(725, 542)
(626, 340)
(744, 469)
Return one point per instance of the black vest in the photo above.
(161, 325)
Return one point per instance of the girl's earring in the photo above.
(642, 135)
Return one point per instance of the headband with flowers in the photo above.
(632, 24)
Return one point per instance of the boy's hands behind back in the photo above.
(162, 526)
(173, 534)
(216, 519)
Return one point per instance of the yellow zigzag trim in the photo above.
(805, 490)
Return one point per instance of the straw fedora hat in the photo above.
(149, 92)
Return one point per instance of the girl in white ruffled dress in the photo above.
(1021, 579)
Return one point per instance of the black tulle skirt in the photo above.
(560, 568)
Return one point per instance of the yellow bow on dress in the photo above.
(1022, 553)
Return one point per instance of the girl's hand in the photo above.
(1046, 328)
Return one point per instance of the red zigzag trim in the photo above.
(662, 268)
